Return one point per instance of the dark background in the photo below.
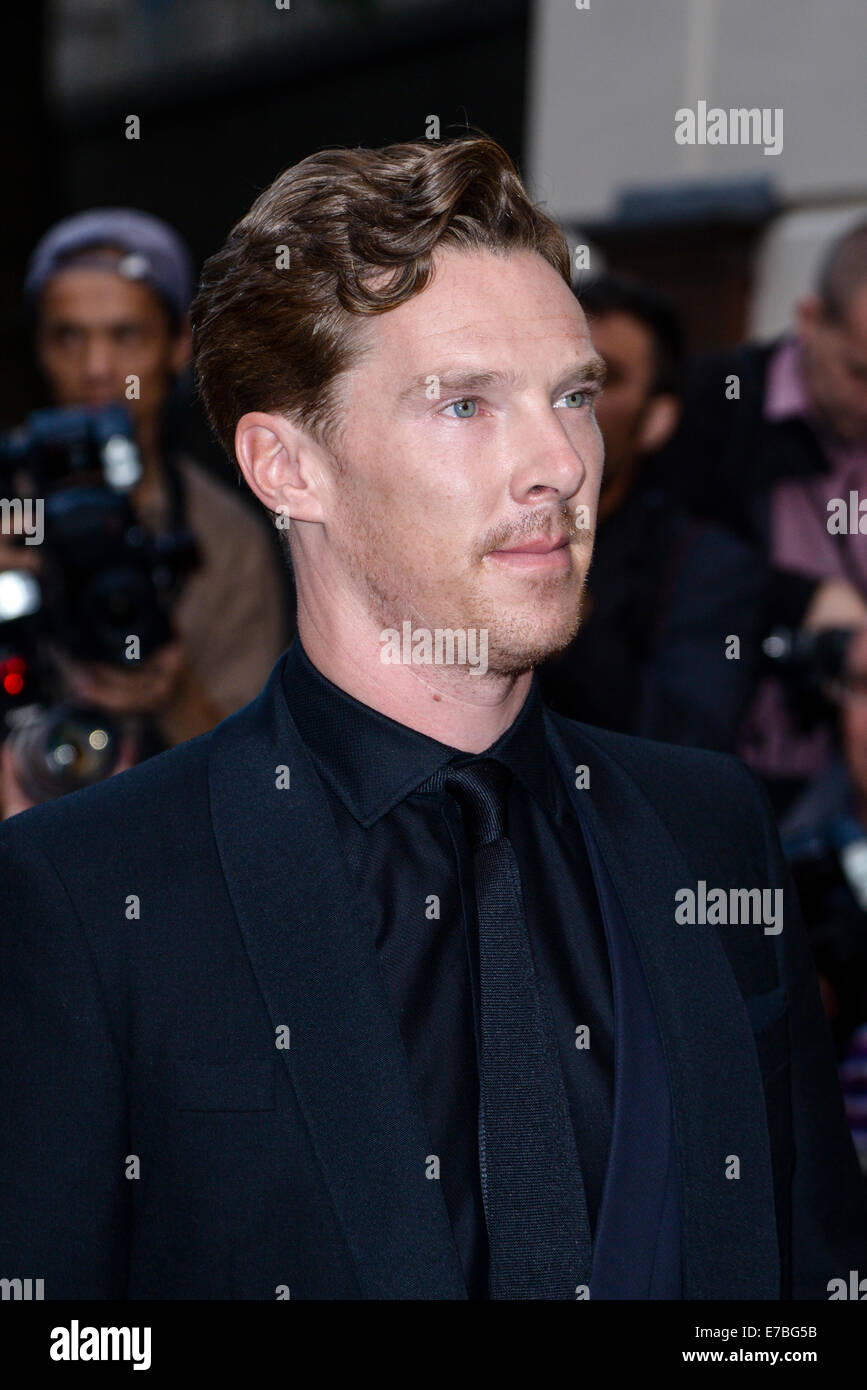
(208, 146)
(210, 142)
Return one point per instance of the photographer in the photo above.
(825, 839)
(108, 292)
(771, 434)
(664, 591)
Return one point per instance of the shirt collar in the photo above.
(786, 398)
(373, 762)
(786, 392)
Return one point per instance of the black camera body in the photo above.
(105, 590)
(810, 665)
(104, 578)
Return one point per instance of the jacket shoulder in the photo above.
(678, 780)
(636, 754)
(708, 369)
(714, 808)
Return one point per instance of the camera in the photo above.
(104, 577)
(104, 593)
(811, 664)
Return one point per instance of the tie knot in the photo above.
(480, 790)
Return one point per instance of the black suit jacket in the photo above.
(161, 932)
(726, 458)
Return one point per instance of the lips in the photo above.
(543, 546)
(544, 555)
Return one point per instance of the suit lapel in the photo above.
(728, 1223)
(313, 953)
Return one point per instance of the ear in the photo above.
(182, 347)
(808, 315)
(282, 465)
(660, 421)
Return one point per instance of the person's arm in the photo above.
(164, 686)
(63, 1131)
(190, 712)
(828, 1195)
(240, 628)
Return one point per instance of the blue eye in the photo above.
(577, 399)
(465, 409)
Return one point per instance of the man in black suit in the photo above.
(395, 984)
(666, 592)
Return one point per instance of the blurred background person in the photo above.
(108, 293)
(236, 93)
(768, 462)
(824, 835)
(666, 594)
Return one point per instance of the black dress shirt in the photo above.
(407, 852)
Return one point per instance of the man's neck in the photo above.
(448, 704)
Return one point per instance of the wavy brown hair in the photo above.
(360, 227)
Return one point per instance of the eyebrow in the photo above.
(592, 371)
(61, 325)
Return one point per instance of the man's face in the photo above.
(97, 329)
(432, 489)
(835, 366)
(627, 348)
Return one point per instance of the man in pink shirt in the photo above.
(772, 436)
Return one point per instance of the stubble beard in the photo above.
(518, 635)
(392, 591)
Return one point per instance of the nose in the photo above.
(98, 360)
(555, 462)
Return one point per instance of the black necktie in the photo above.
(533, 1191)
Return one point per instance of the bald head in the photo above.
(831, 325)
(843, 273)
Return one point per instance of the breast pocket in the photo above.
(230, 1086)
